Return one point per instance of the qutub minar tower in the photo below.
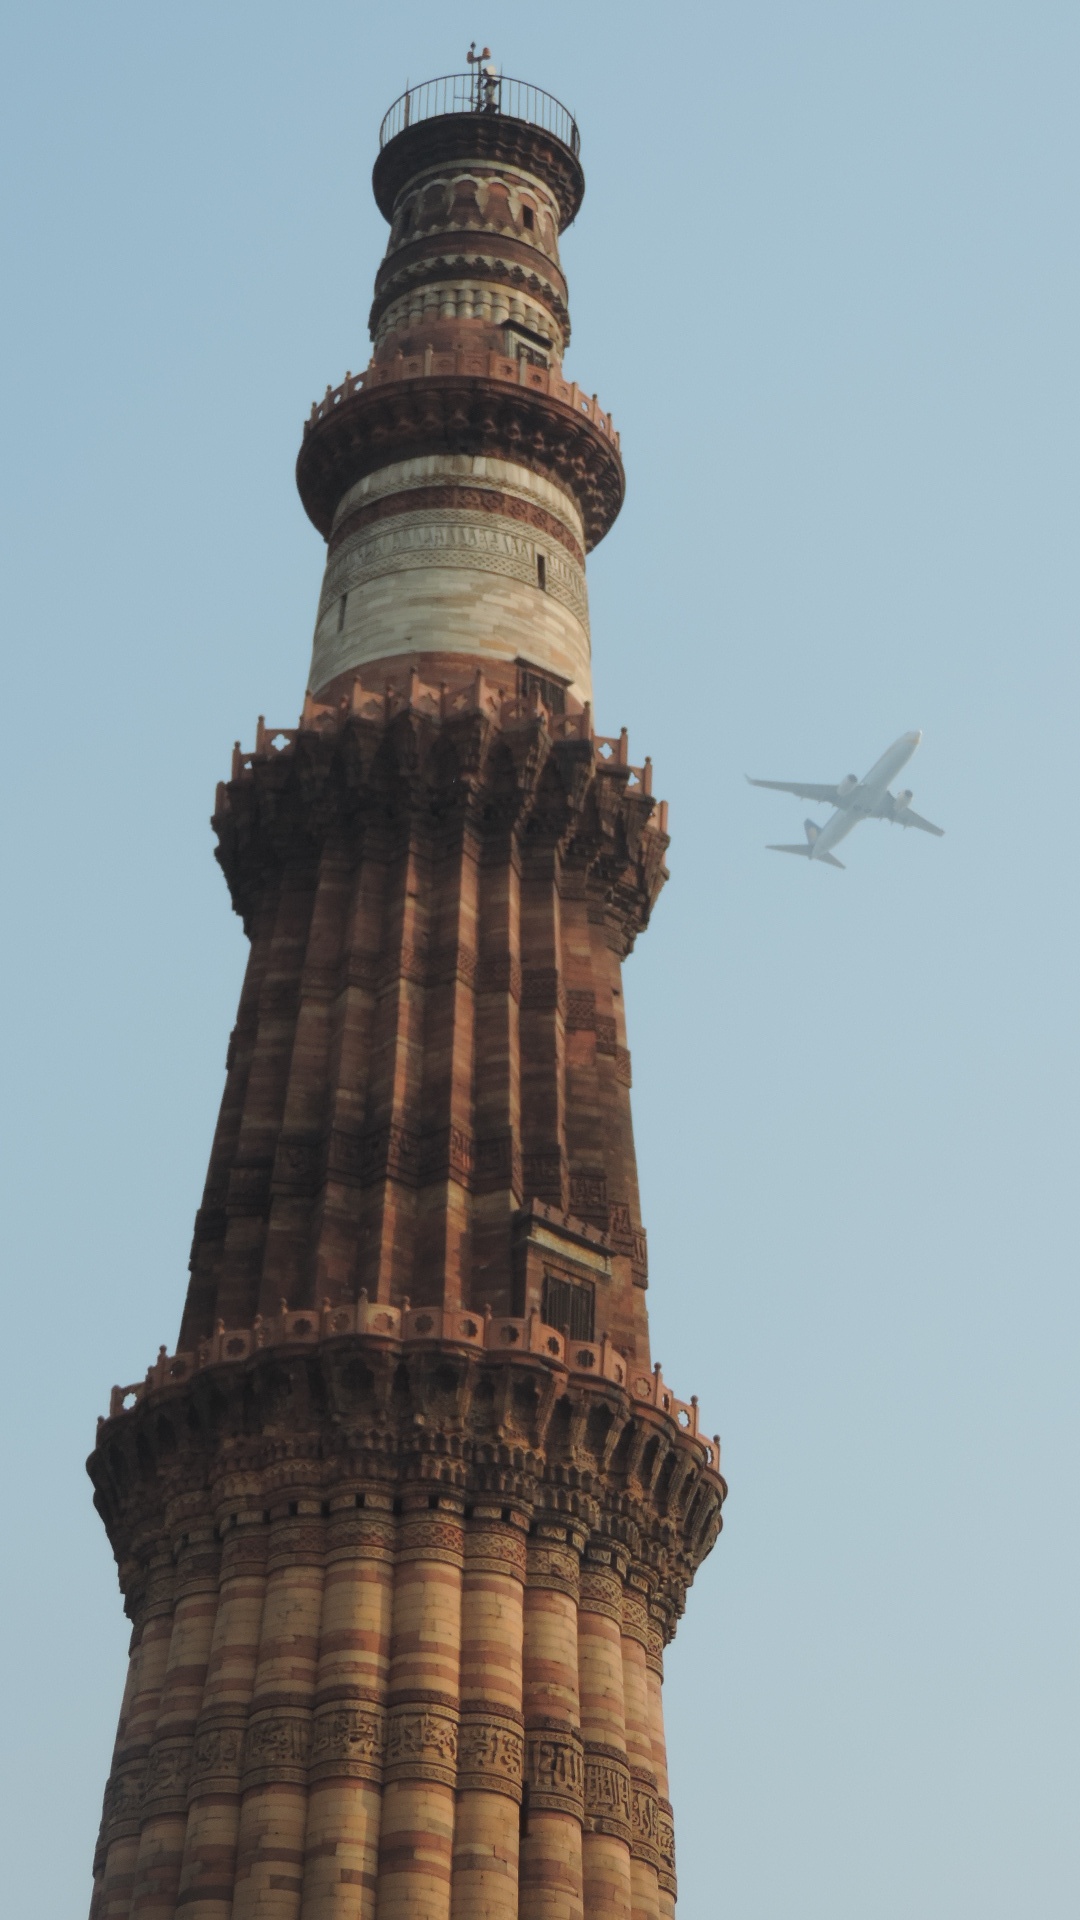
(405, 1523)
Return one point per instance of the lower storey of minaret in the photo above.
(391, 1722)
(384, 1667)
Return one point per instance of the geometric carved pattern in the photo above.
(455, 540)
(471, 499)
(601, 1592)
(555, 1568)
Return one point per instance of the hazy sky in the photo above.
(826, 277)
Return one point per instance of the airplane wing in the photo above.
(894, 807)
(905, 818)
(828, 796)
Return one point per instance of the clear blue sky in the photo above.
(826, 276)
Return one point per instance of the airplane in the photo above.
(855, 800)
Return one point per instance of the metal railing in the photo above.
(481, 91)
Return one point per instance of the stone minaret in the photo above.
(405, 1523)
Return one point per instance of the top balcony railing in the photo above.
(481, 91)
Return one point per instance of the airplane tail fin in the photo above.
(807, 852)
(813, 834)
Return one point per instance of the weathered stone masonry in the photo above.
(405, 1522)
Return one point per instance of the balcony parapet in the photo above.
(410, 694)
(383, 1326)
(486, 366)
(467, 400)
(481, 90)
(479, 117)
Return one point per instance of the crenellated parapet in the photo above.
(386, 1328)
(461, 400)
(483, 757)
(384, 1401)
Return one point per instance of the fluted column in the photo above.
(396, 1074)
(416, 1841)
(491, 1742)
(209, 1865)
(124, 1793)
(345, 1197)
(444, 1204)
(551, 1868)
(161, 1845)
(605, 1847)
(288, 1266)
(129, 1686)
(658, 1624)
(349, 1730)
(113, 1790)
(644, 1809)
(248, 1197)
(543, 1030)
(498, 1178)
(273, 1816)
(208, 1294)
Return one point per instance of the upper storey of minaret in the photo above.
(461, 479)
(476, 201)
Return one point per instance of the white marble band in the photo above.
(466, 578)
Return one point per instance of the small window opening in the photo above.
(541, 572)
(360, 1499)
(397, 1505)
(341, 611)
(552, 692)
(406, 221)
(433, 1501)
(294, 1508)
(528, 217)
(569, 1305)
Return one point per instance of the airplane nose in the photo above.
(915, 736)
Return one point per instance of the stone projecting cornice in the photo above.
(461, 402)
(441, 759)
(497, 139)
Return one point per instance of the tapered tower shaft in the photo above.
(404, 1523)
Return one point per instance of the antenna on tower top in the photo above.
(485, 80)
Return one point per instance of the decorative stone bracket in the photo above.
(386, 1326)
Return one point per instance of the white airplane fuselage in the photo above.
(867, 794)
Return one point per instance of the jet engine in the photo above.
(847, 785)
(902, 800)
